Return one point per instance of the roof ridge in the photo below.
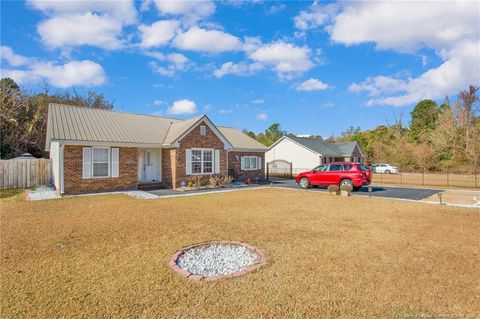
(115, 111)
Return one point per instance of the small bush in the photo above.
(194, 182)
(215, 181)
(346, 188)
(332, 189)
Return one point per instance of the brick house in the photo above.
(96, 150)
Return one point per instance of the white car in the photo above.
(385, 169)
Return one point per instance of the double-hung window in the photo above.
(201, 161)
(250, 163)
(100, 162)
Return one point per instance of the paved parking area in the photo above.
(376, 191)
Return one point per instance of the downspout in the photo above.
(61, 180)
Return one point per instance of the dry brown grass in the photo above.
(328, 257)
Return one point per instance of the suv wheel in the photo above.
(304, 183)
(387, 171)
(346, 182)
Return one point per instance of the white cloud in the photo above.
(123, 11)
(73, 73)
(241, 68)
(7, 54)
(223, 111)
(258, 101)
(262, 116)
(287, 60)
(76, 23)
(451, 29)
(317, 15)
(212, 41)
(157, 102)
(174, 62)
(191, 11)
(159, 33)
(275, 8)
(81, 29)
(182, 107)
(312, 85)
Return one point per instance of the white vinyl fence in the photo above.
(24, 173)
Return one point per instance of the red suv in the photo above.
(338, 173)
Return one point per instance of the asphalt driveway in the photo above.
(376, 191)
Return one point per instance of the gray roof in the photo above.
(325, 148)
(74, 123)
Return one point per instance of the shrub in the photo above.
(332, 189)
(194, 182)
(346, 188)
(215, 181)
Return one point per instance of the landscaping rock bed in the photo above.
(41, 193)
(217, 260)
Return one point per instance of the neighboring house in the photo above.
(97, 150)
(305, 153)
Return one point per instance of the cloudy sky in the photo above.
(314, 67)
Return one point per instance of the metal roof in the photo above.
(325, 148)
(75, 123)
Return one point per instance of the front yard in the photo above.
(356, 257)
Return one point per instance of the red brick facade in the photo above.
(234, 166)
(74, 183)
(173, 163)
(174, 170)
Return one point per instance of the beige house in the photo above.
(96, 150)
(305, 153)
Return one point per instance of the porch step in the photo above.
(150, 186)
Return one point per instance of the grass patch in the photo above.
(328, 257)
(11, 194)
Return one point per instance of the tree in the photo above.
(424, 119)
(274, 132)
(23, 116)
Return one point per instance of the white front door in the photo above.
(149, 166)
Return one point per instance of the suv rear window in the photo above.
(362, 168)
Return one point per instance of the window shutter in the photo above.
(259, 162)
(242, 163)
(188, 162)
(217, 161)
(115, 161)
(87, 162)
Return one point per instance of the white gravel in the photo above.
(217, 259)
(141, 195)
(42, 193)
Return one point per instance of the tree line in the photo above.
(438, 137)
(23, 116)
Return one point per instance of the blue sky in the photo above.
(314, 67)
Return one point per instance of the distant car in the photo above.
(385, 169)
(339, 173)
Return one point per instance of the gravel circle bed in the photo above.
(216, 260)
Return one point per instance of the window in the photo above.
(321, 168)
(100, 162)
(336, 167)
(203, 130)
(250, 163)
(202, 161)
(347, 167)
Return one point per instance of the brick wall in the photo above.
(234, 166)
(177, 156)
(75, 184)
(169, 164)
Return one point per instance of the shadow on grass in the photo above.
(10, 194)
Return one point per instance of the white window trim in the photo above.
(256, 163)
(201, 160)
(109, 163)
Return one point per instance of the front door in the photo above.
(148, 166)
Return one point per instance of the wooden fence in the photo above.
(24, 173)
